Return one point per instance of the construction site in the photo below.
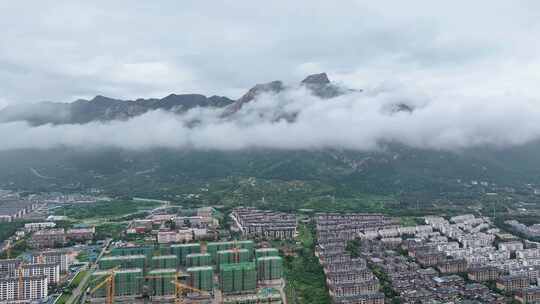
(29, 279)
(231, 272)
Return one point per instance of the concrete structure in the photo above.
(49, 270)
(528, 295)
(9, 266)
(33, 227)
(81, 234)
(511, 246)
(512, 282)
(166, 237)
(14, 208)
(33, 288)
(52, 256)
(483, 273)
(452, 266)
(128, 283)
(48, 238)
(266, 224)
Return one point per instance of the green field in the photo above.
(110, 230)
(304, 274)
(104, 209)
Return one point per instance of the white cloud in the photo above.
(71, 48)
(473, 65)
(356, 121)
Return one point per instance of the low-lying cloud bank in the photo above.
(359, 121)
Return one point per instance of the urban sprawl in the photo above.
(170, 255)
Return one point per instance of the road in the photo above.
(76, 293)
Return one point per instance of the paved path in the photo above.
(76, 293)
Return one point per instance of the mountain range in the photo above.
(392, 170)
(101, 108)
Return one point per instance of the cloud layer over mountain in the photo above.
(471, 68)
(359, 120)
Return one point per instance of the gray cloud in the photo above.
(472, 66)
(355, 121)
(64, 50)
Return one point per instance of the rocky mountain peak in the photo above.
(275, 86)
(317, 79)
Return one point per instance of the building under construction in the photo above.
(198, 259)
(160, 282)
(182, 250)
(269, 268)
(201, 277)
(135, 250)
(52, 256)
(233, 256)
(123, 261)
(238, 278)
(213, 247)
(265, 252)
(162, 272)
(264, 295)
(127, 283)
(24, 282)
(165, 262)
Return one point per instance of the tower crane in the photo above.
(180, 289)
(109, 283)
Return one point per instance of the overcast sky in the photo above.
(64, 50)
(472, 69)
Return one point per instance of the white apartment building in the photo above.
(511, 246)
(33, 227)
(52, 257)
(50, 270)
(33, 288)
(166, 237)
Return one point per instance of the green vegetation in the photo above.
(77, 279)
(386, 286)
(305, 277)
(63, 298)
(17, 249)
(83, 256)
(408, 221)
(9, 228)
(104, 209)
(110, 230)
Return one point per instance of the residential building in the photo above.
(48, 238)
(452, 266)
(512, 282)
(32, 288)
(33, 227)
(50, 270)
(483, 273)
(528, 295)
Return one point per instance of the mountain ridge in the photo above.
(103, 108)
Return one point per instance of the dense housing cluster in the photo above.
(57, 237)
(264, 223)
(176, 228)
(13, 208)
(348, 278)
(461, 258)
